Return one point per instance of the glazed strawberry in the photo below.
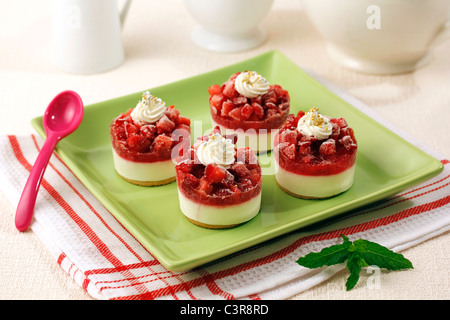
(165, 125)
(219, 194)
(327, 156)
(247, 102)
(145, 135)
(310, 146)
(215, 173)
(144, 143)
(223, 101)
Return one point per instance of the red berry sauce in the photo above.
(215, 185)
(232, 110)
(139, 142)
(305, 155)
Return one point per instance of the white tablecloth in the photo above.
(157, 42)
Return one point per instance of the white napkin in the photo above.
(107, 261)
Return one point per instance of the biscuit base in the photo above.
(149, 183)
(212, 226)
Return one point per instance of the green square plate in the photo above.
(385, 165)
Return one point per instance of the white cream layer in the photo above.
(258, 141)
(143, 171)
(220, 215)
(314, 186)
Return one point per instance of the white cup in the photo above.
(87, 35)
(380, 36)
(228, 25)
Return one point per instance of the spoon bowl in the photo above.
(63, 114)
(62, 117)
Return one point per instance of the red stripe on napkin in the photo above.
(123, 267)
(102, 248)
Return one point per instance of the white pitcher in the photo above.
(87, 35)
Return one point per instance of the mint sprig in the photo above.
(359, 253)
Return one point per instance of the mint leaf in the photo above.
(327, 257)
(359, 253)
(376, 254)
(354, 265)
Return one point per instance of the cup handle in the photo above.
(124, 11)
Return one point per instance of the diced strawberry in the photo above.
(304, 147)
(347, 131)
(234, 188)
(172, 114)
(308, 158)
(227, 107)
(119, 131)
(183, 127)
(185, 166)
(246, 112)
(254, 117)
(217, 101)
(271, 105)
(284, 105)
(277, 89)
(289, 123)
(258, 110)
(128, 113)
(271, 113)
(216, 129)
(138, 142)
(234, 76)
(164, 125)
(205, 186)
(289, 136)
(335, 130)
(240, 100)
(223, 192)
(340, 122)
(288, 150)
(247, 156)
(300, 113)
(192, 155)
(257, 100)
(148, 131)
(307, 138)
(184, 120)
(348, 143)
(245, 184)
(191, 180)
(131, 128)
(215, 173)
(328, 147)
(255, 176)
(229, 90)
(236, 114)
(240, 169)
(270, 97)
(229, 179)
(162, 142)
(214, 89)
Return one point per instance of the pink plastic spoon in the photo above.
(62, 117)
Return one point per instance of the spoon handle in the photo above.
(27, 201)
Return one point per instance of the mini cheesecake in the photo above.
(315, 155)
(247, 105)
(219, 185)
(144, 140)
